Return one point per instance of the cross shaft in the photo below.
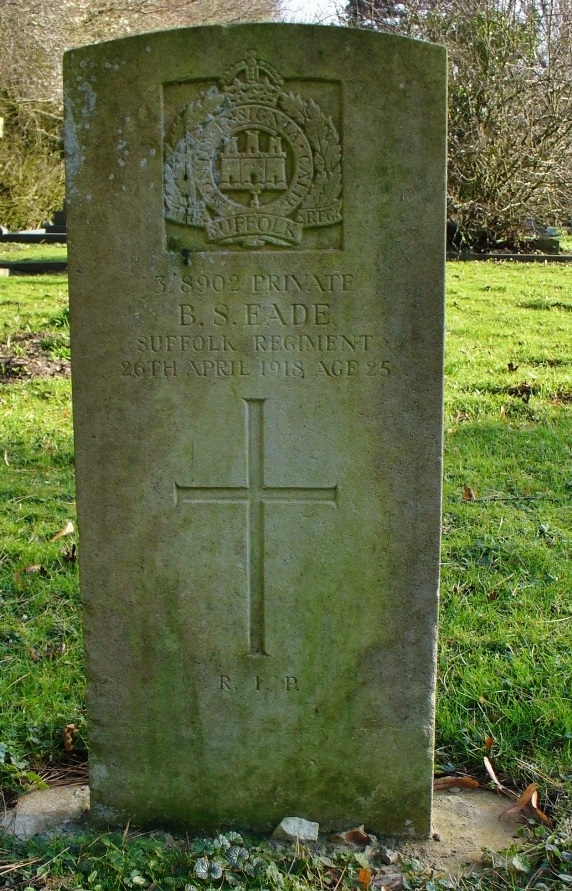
(254, 495)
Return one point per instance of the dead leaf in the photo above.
(538, 813)
(503, 411)
(512, 367)
(68, 734)
(55, 651)
(489, 741)
(34, 655)
(492, 596)
(468, 494)
(517, 806)
(37, 567)
(523, 391)
(357, 837)
(70, 554)
(364, 878)
(461, 416)
(561, 397)
(452, 782)
(67, 530)
(492, 774)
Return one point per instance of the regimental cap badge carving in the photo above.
(252, 164)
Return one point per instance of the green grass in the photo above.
(505, 663)
(14, 251)
(41, 685)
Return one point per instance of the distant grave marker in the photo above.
(257, 370)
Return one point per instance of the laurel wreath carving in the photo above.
(183, 202)
(323, 138)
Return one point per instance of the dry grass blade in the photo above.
(74, 775)
(4, 870)
(341, 878)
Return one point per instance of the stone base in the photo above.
(464, 823)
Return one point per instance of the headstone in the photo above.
(58, 223)
(256, 219)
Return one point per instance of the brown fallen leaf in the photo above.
(70, 554)
(37, 567)
(67, 735)
(489, 741)
(512, 367)
(523, 391)
(357, 837)
(55, 651)
(520, 803)
(34, 655)
(489, 768)
(540, 815)
(67, 530)
(452, 782)
(364, 878)
(468, 494)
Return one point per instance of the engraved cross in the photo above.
(255, 495)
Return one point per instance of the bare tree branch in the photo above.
(510, 106)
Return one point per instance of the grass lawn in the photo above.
(14, 251)
(505, 664)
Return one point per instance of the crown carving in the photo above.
(252, 80)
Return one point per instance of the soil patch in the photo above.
(28, 356)
(464, 823)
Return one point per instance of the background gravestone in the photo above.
(256, 220)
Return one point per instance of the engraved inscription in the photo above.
(252, 164)
(255, 495)
(276, 283)
(245, 325)
(277, 368)
(288, 683)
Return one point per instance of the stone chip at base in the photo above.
(296, 829)
(46, 809)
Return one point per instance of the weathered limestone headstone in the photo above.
(256, 266)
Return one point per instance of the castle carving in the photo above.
(253, 170)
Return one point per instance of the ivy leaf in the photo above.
(520, 863)
(202, 868)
